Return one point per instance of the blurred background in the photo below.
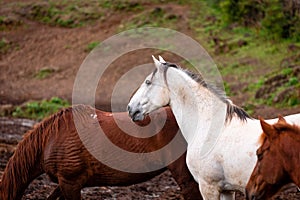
(255, 44)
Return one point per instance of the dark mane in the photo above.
(231, 108)
(236, 110)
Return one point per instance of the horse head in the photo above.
(152, 94)
(269, 174)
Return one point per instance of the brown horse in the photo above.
(55, 148)
(278, 160)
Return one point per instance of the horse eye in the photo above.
(259, 156)
(148, 82)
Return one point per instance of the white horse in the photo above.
(200, 111)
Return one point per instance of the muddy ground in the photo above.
(160, 187)
(33, 46)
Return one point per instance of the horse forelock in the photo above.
(153, 73)
(280, 126)
(291, 129)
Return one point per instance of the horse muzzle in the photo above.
(135, 114)
(253, 196)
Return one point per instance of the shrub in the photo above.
(276, 18)
(281, 20)
(40, 109)
(246, 12)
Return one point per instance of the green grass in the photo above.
(293, 81)
(2, 19)
(40, 109)
(4, 45)
(287, 88)
(62, 13)
(44, 73)
(91, 46)
(75, 13)
(236, 69)
(207, 23)
(264, 55)
(287, 71)
(156, 17)
(121, 5)
(255, 86)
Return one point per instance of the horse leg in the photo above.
(227, 196)
(55, 194)
(61, 198)
(209, 192)
(70, 190)
(180, 172)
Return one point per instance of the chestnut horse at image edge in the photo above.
(55, 148)
(278, 160)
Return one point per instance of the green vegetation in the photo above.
(158, 17)
(40, 109)
(92, 45)
(273, 18)
(236, 33)
(7, 46)
(279, 89)
(8, 22)
(2, 20)
(252, 42)
(4, 46)
(64, 13)
(44, 73)
(293, 81)
(75, 13)
(256, 85)
(227, 89)
(121, 5)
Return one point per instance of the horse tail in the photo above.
(26, 163)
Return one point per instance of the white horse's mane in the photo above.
(232, 109)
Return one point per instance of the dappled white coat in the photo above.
(229, 164)
(221, 155)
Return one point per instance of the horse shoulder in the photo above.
(235, 152)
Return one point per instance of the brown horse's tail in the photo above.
(25, 165)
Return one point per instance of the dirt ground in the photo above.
(34, 46)
(160, 187)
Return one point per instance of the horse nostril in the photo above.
(136, 113)
(253, 197)
(128, 108)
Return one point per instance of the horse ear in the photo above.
(281, 119)
(268, 129)
(161, 59)
(157, 63)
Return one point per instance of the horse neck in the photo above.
(117, 125)
(292, 150)
(22, 167)
(198, 111)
